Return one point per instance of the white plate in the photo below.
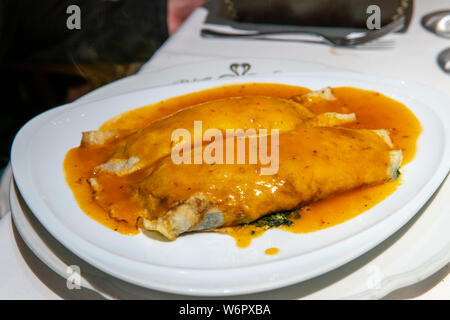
(211, 264)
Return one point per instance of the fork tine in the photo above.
(376, 34)
(377, 43)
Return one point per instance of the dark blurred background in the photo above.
(45, 64)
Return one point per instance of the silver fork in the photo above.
(348, 40)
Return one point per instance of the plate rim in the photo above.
(144, 72)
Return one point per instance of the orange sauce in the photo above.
(78, 166)
(376, 111)
(272, 251)
(373, 111)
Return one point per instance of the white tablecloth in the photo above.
(412, 57)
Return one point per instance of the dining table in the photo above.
(31, 272)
